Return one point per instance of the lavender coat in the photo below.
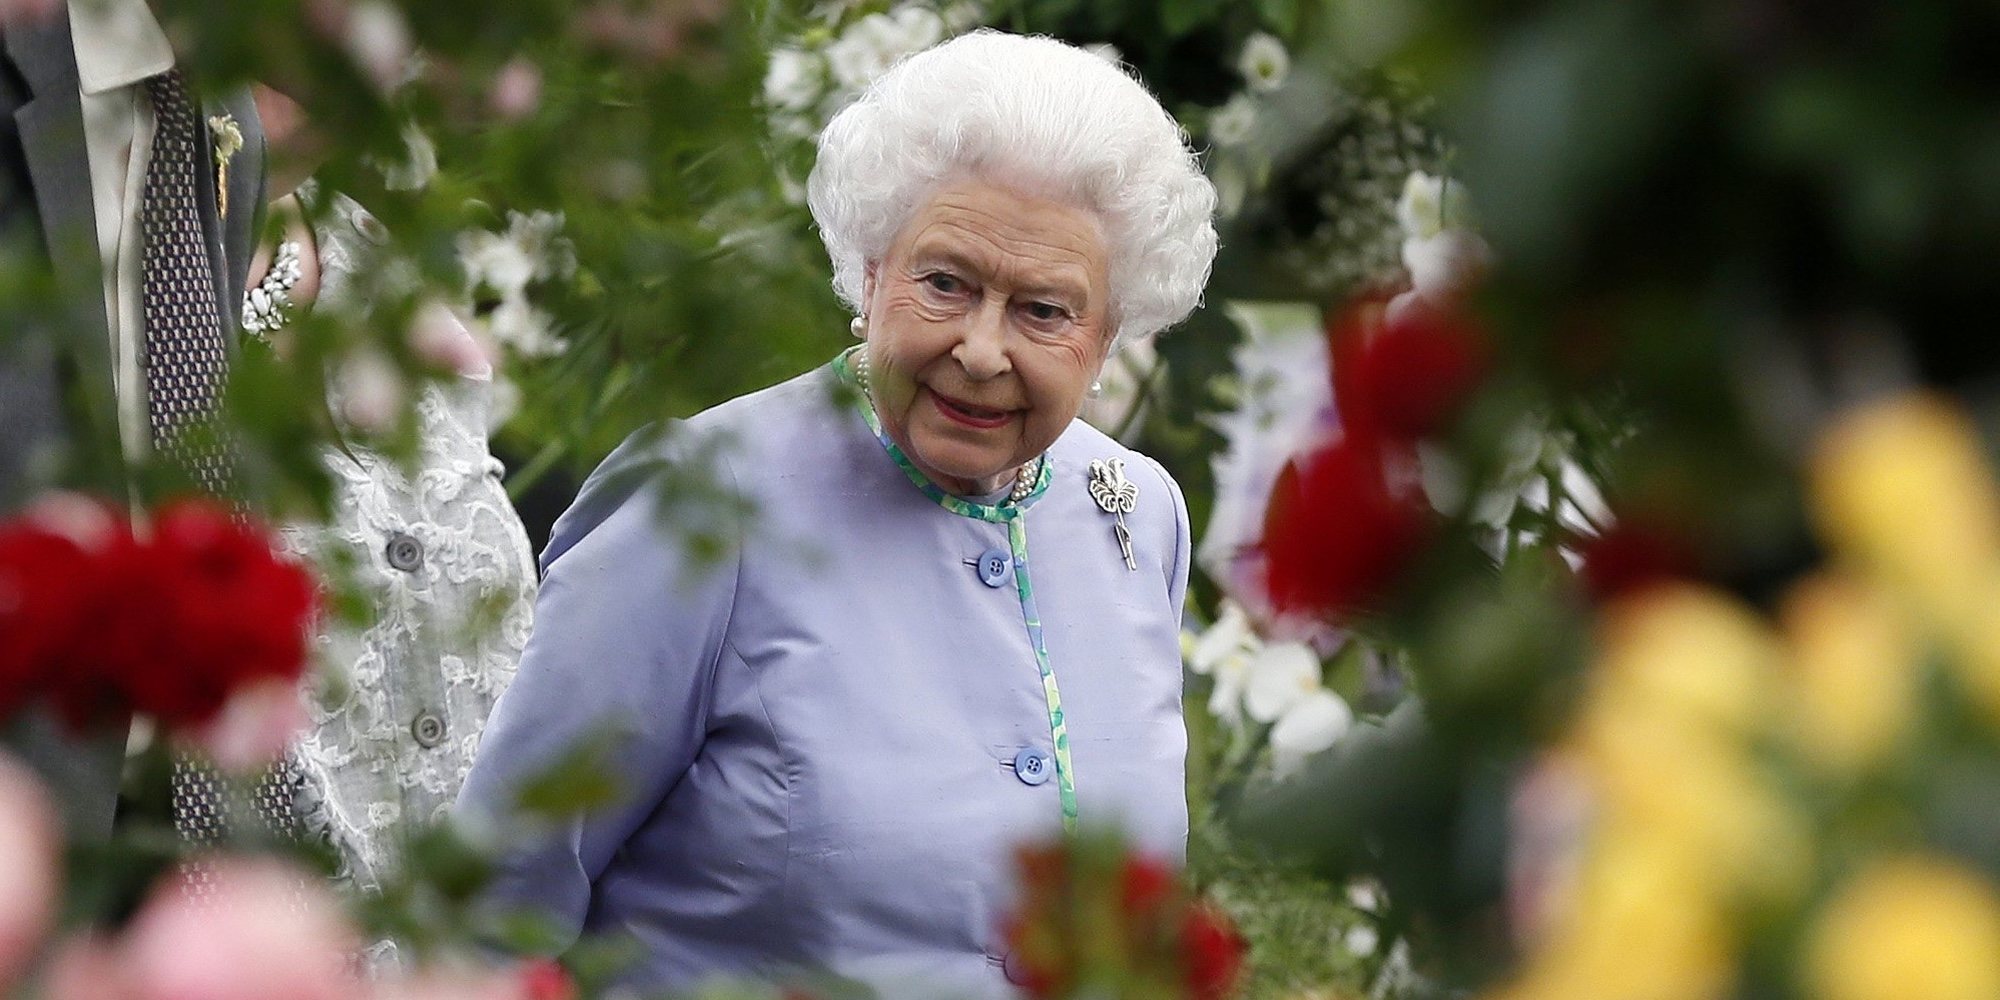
(817, 732)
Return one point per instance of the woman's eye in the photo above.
(1046, 312)
(944, 283)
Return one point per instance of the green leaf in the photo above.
(1182, 16)
(1281, 16)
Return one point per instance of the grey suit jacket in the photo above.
(58, 414)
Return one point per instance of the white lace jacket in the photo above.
(451, 575)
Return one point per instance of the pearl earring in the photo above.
(858, 327)
(1096, 388)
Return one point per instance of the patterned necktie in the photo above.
(186, 355)
(186, 362)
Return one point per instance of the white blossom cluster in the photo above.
(1351, 241)
(1279, 684)
(813, 75)
(532, 249)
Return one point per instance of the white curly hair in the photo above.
(1027, 112)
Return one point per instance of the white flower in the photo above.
(793, 80)
(532, 249)
(524, 329)
(378, 40)
(873, 44)
(1231, 124)
(418, 166)
(962, 17)
(1365, 895)
(1229, 636)
(1225, 700)
(497, 262)
(1281, 675)
(1432, 204)
(1361, 940)
(1446, 264)
(1264, 62)
(1314, 723)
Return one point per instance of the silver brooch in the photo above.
(1116, 496)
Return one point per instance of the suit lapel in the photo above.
(246, 196)
(52, 142)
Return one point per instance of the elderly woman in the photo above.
(951, 626)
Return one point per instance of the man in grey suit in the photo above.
(115, 182)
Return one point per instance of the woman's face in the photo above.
(987, 320)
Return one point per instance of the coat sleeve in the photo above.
(1183, 540)
(629, 628)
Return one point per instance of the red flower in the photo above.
(170, 625)
(546, 979)
(1407, 377)
(1148, 884)
(44, 583)
(1631, 556)
(1337, 536)
(1214, 953)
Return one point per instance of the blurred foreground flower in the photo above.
(104, 621)
(29, 867)
(1908, 927)
(1096, 920)
(1338, 535)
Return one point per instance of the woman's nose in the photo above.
(982, 347)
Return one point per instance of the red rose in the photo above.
(1407, 377)
(1214, 953)
(1337, 536)
(45, 580)
(240, 613)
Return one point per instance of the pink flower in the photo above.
(29, 864)
(27, 11)
(264, 931)
(517, 89)
(441, 339)
(454, 983)
(86, 969)
(255, 725)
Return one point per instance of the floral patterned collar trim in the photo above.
(1000, 512)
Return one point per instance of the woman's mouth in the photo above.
(960, 412)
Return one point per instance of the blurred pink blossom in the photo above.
(517, 89)
(454, 983)
(86, 969)
(254, 727)
(264, 931)
(654, 30)
(374, 34)
(24, 11)
(440, 338)
(29, 862)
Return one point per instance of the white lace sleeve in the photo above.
(450, 578)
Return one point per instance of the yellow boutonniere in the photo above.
(228, 139)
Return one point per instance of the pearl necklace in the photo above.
(1024, 478)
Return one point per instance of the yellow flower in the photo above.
(1636, 928)
(1904, 487)
(1853, 656)
(1688, 653)
(1910, 927)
